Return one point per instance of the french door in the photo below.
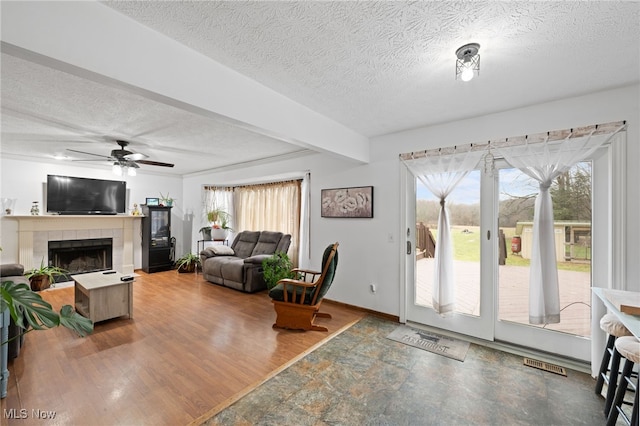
(491, 272)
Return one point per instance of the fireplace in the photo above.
(35, 232)
(81, 256)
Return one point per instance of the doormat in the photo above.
(432, 342)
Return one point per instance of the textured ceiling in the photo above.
(380, 67)
(376, 67)
(50, 111)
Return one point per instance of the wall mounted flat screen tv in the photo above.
(75, 195)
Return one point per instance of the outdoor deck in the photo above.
(513, 294)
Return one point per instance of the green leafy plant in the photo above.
(166, 200)
(23, 303)
(219, 218)
(188, 263)
(44, 275)
(276, 267)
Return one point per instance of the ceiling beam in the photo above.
(93, 41)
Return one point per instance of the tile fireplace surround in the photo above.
(36, 231)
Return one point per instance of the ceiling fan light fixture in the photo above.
(468, 62)
(116, 169)
(131, 171)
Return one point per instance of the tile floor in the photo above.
(362, 378)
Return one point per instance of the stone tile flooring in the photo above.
(362, 378)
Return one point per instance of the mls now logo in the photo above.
(14, 413)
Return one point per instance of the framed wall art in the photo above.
(153, 202)
(354, 202)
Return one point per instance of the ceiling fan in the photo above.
(123, 159)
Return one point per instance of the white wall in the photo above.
(371, 249)
(25, 181)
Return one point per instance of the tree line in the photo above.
(570, 192)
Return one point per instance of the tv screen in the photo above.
(75, 195)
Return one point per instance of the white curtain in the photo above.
(305, 219)
(219, 198)
(441, 171)
(544, 161)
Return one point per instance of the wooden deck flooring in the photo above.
(191, 347)
(513, 294)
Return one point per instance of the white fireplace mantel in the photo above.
(35, 231)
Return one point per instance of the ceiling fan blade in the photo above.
(89, 153)
(136, 156)
(154, 163)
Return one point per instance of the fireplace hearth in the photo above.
(82, 256)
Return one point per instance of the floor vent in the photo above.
(545, 366)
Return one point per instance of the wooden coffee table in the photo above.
(100, 296)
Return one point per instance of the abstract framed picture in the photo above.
(153, 201)
(354, 202)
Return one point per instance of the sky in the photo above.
(512, 182)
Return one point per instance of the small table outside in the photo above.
(100, 296)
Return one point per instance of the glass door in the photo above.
(572, 194)
(473, 244)
(491, 216)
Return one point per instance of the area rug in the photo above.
(432, 342)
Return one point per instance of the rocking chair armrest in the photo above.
(295, 283)
(306, 274)
(305, 271)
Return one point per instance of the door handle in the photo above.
(408, 247)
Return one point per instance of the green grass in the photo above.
(466, 247)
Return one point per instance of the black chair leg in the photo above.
(635, 417)
(620, 392)
(613, 381)
(604, 366)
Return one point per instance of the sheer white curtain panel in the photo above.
(441, 172)
(218, 198)
(305, 220)
(544, 161)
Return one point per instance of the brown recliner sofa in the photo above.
(240, 266)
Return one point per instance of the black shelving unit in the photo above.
(156, 239)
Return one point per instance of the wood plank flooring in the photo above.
(191, 347)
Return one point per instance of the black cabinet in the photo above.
(156, 239)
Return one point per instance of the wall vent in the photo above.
(545, 366)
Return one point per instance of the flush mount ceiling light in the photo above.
(468, 62)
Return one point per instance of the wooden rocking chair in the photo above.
(297, 301)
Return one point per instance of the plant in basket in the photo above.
(188, 263)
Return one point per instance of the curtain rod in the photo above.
(596, 129)
(233, 187)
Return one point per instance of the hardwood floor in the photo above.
(191, 348)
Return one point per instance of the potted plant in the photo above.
(276, 267)
(23, 303)
(42, 277)
(206, 233)
(219, 223)
(166, 200)
(188, 263)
